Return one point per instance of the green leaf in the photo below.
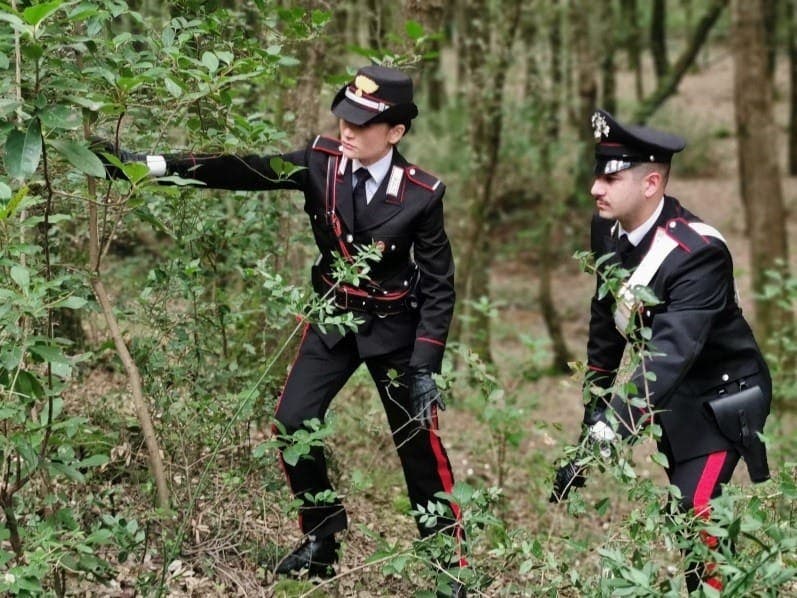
(71, 302)
(34, 15)
(5, 191)
(646, 295)
(23, 151)
(172, 87)
(14, 20)
(660, 459)
(27, 385)
(414, 30)
(320, 17)
(21, 276)
(48, 354)
(293, 453)
(60, 116)
(225, 57)
(93, 461)
(210, 61)
(87, 103)
(65, 470)
(79, 156)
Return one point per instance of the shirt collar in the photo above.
(635, 236)
(377, 170)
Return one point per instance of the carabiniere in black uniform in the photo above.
(712, 389)
(405, 304)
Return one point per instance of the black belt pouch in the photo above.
(740, 416)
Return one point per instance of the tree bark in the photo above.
(485, 91)
(791, 31)
(432, 15)
(668, 84)
(133, 374)
(633, 43)
(771, 21)
(658, 38)
(759, 172)
(608, 81)
(586, 69)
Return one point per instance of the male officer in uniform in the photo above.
(712, 388)
(359, 190)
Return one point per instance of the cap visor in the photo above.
(352, 113)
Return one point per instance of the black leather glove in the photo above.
(424, 397)
(101, 146)
(568, 476)
(599, 436)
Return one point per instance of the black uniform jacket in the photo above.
(404, 219)
(706, 345)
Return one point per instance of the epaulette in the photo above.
(328, 145)
(422, 178)
(688, 235)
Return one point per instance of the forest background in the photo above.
(145, 331)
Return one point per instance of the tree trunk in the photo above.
(771, 25)
(758, 160)
(658, 38)
(485, 92)
(375, 19)
(432, 15)
(547, 127)
(791, 31)
(633, 43)
(133, 374)
(586, 69)
(608, 81)
(668, 84)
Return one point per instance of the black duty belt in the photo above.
(375, 301)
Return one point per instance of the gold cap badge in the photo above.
(365, 85)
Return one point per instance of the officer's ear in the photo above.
(653, 183)
(395, 133)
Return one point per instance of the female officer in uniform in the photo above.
(359, 190)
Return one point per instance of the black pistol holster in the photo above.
(740, 417)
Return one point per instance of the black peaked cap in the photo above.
(376, 94)
(619, 146)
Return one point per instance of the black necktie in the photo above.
(360, 198)
(624, 248)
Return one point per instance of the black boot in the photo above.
(453, 588)
(316, 555)
(458, 590)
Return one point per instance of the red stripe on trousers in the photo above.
(700, 504)
(447, 481)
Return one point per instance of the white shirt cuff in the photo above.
(156, 165)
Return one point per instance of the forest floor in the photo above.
(552, 405)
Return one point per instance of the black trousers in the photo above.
(317, 375)
(699, 480)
